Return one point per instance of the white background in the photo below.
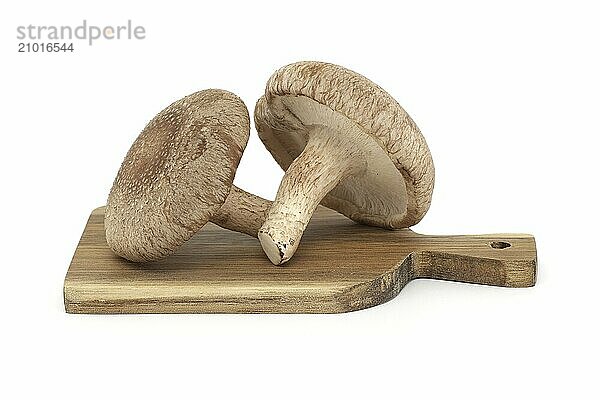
(507, 96)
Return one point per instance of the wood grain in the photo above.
(341, 266)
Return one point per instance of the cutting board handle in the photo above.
(507, 260)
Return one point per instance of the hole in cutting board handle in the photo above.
(500, 245)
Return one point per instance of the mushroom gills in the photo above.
(335, 163)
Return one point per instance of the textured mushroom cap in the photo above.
(176, 175)
(396, 190)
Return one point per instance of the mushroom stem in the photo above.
(325, 161)
(242, 212)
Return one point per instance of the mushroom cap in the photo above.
(396, 188)
(176, 175)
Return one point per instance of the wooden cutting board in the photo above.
(340, 266)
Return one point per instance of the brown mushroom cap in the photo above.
(176, 175)
(396, 189)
